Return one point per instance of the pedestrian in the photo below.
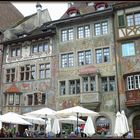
(26, 134)
(129, 135)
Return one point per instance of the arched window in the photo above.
(103, 125)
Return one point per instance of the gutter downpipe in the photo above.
(116, 65)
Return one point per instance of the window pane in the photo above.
(81, 32)
(35, 49)
(87, 31)
(104, 84)
(121, 20)
(104, 28)
(81, 58)
(70, 34)
(40, 47)
(62, 88)
(46, 47)
(106, 54)
(97, 29)
(64, 35)
(128, 49)
(130, 20)
(99, 56)
(85, 84)
(137, 19)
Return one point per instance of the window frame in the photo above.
(101, 28)
(69, 34)
(128, 49)
(101, 57)
(67, 60)
(83, 33)
(11, 75)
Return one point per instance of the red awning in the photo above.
(88, 70)
(12, 89)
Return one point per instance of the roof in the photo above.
(83, 7)
(12, 89)
(9, 15)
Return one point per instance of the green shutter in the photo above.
(121, 21)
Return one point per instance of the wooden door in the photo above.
(136, 126)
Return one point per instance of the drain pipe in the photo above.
(116, 65)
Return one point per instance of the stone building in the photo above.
(127, 36)
(80, 59)
(26, 64)
(9, 15)
(86, 73)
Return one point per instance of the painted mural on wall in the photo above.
(67, 103)
(130, 64)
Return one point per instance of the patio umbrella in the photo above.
(42, 113)
(125, 122)
(34, 120)
(89, 129)
(71, 120)
(0, 124)
(76, 111)
(48, 127)
(13, 118)
(119, 128)
(56, 127)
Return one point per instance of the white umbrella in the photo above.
(42, 113)
(89, 129)
(125, 122)
(56, 127)
(48, 127)
(34, 120)
(71, 120)
(76, 111)
(0, 124)
(119, 128)
(13, 118)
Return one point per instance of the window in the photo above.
(128, 49)
(10, 75)
(102, 55)
(74, 86)
(89, 84)
(45, 71)
(30, 99)
(67, 35)
(84, 57)
(11, 99)
(15, 51)
(41, 47)
(101, 28)
(62, 88)
(83, 31)
(67, 60)
(121, 21)
(108, 84)
(27, 72)
(133, 82)
(39, 98)
(17, 99)
(133, 19)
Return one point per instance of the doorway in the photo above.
(136, 126)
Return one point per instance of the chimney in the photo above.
(38, 8)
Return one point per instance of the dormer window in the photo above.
(100, 6)
(73, 11)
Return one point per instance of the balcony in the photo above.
(90, 99)
(132, 98)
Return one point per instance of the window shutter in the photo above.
(121, 21)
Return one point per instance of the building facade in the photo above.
(89, 57)
(127, 36)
